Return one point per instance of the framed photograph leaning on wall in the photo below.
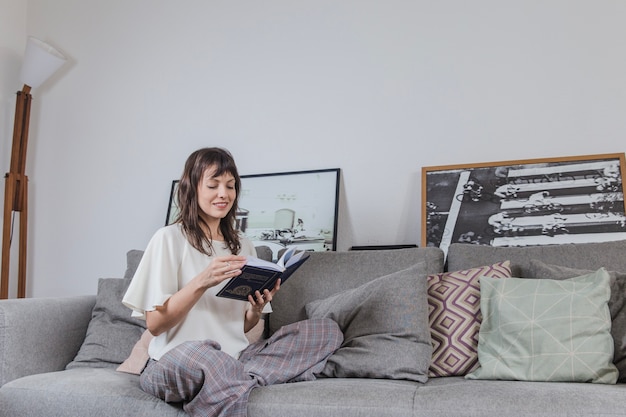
(285, 209)
(525, 202)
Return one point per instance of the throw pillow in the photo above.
(617, 305)
(139, 356)
(546, 330)
(454, 316)
(133, 257)
(385, 327)
(112, 332)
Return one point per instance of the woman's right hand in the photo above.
(178, 305)
(220, 269)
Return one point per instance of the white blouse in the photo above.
(169, 263)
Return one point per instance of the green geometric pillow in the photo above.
(617, 304)
(546, 330)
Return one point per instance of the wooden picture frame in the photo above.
(285, 209)
(525, 202)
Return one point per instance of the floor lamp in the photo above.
(40, 62)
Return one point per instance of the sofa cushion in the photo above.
(112, 332)
(546, 330)
(457, 397)
(609, 255)
(617, 304)
(385, 326)
(454, 317)
(88, 392)
(328, 273)
(84, 392)
(133, 257)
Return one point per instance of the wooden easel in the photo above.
(16, 196)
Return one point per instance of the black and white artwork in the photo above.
(281, 210)
(287, 209)
(522, 203)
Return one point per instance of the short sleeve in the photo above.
(156, 278)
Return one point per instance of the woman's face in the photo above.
(216, 195)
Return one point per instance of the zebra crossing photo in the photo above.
(522, 203)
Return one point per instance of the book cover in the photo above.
(258, 274)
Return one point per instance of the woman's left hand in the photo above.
(258, 301)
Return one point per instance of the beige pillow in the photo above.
(138, 357)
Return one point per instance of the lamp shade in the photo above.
(40, 62)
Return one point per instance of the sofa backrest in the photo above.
(327, 273)
(611, 255)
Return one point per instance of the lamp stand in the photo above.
(16, 196)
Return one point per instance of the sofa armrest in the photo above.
(41, 334)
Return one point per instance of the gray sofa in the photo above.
(55, 362)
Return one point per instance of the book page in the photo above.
(283, 262)
(294, 258)
(289, 258)
(261, 263)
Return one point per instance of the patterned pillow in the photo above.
(454, 316)
(546, 330)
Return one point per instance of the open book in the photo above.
(258, 274)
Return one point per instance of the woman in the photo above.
(200, 355)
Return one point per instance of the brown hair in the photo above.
(188, 215)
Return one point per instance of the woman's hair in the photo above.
(188, 216)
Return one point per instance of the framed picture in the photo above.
(527, 202)
(382, 247)
(172, 208)
(285, 209)
(290, 209)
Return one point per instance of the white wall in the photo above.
(378, 89)
(12, 44)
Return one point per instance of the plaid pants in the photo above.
(212, 383)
